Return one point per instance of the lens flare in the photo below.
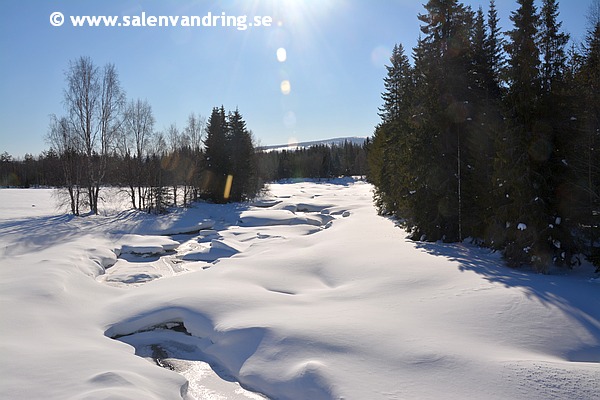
(228, 183)
(285, 87)
(281, 54)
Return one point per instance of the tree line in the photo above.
(105, 140)
(317, 161)
(494, 136)
(177, 165)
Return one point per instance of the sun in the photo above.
(292, 13)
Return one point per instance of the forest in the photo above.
(494, 136)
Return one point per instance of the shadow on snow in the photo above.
(574, 294)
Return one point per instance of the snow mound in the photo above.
(265, 203)
(208, 232)
(312, 207)
(103, 257)
(187, 221)
(254, 218)
(125, 273)
(181, 228)
(217, 249)
(146, 244)
(286, 206)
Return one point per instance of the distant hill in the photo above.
(302, 145)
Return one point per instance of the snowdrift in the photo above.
(305, 294)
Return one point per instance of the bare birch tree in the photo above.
(196, 125)
(193, 130)
(66, 145)
(82, 100)
(94, 101)
(138, 127)
(112, 106)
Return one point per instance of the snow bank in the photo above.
(256, 218)
(52, 336)
(146, 244)
(265, 203)
(216, 250)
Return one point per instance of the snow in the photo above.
(146, 244)
(305, 145)
(278, 304)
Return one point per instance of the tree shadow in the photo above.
(36, 233)
(179, 222)
(574, 292)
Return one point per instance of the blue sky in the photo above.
(336, 51)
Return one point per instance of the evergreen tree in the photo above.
(387, 152)
(217, 156)
(447, 30)
(523, 70)
(480, 128)
(481, 59)
(230, 173)
(557, 133)
(494, 49)
(587, 158)
(552, 46)
(524, 191)
(421, 183)
(398, 84)
(381, 165)
(242, 159)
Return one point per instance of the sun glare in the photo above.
(300, 14)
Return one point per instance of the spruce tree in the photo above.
(557, 132)
(419, 178)
(587, 160)
(242, 160)
(522, 191)
(494, 49)
(398, 84)
(386, 155)
(552, 46)
(447, 29)
(523, 70)
(480, 128)
(481, 59)
(217, 157)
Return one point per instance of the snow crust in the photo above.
(270, 298)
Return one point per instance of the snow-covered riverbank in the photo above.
(307, 294)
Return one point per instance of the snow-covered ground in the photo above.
(306, 294)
